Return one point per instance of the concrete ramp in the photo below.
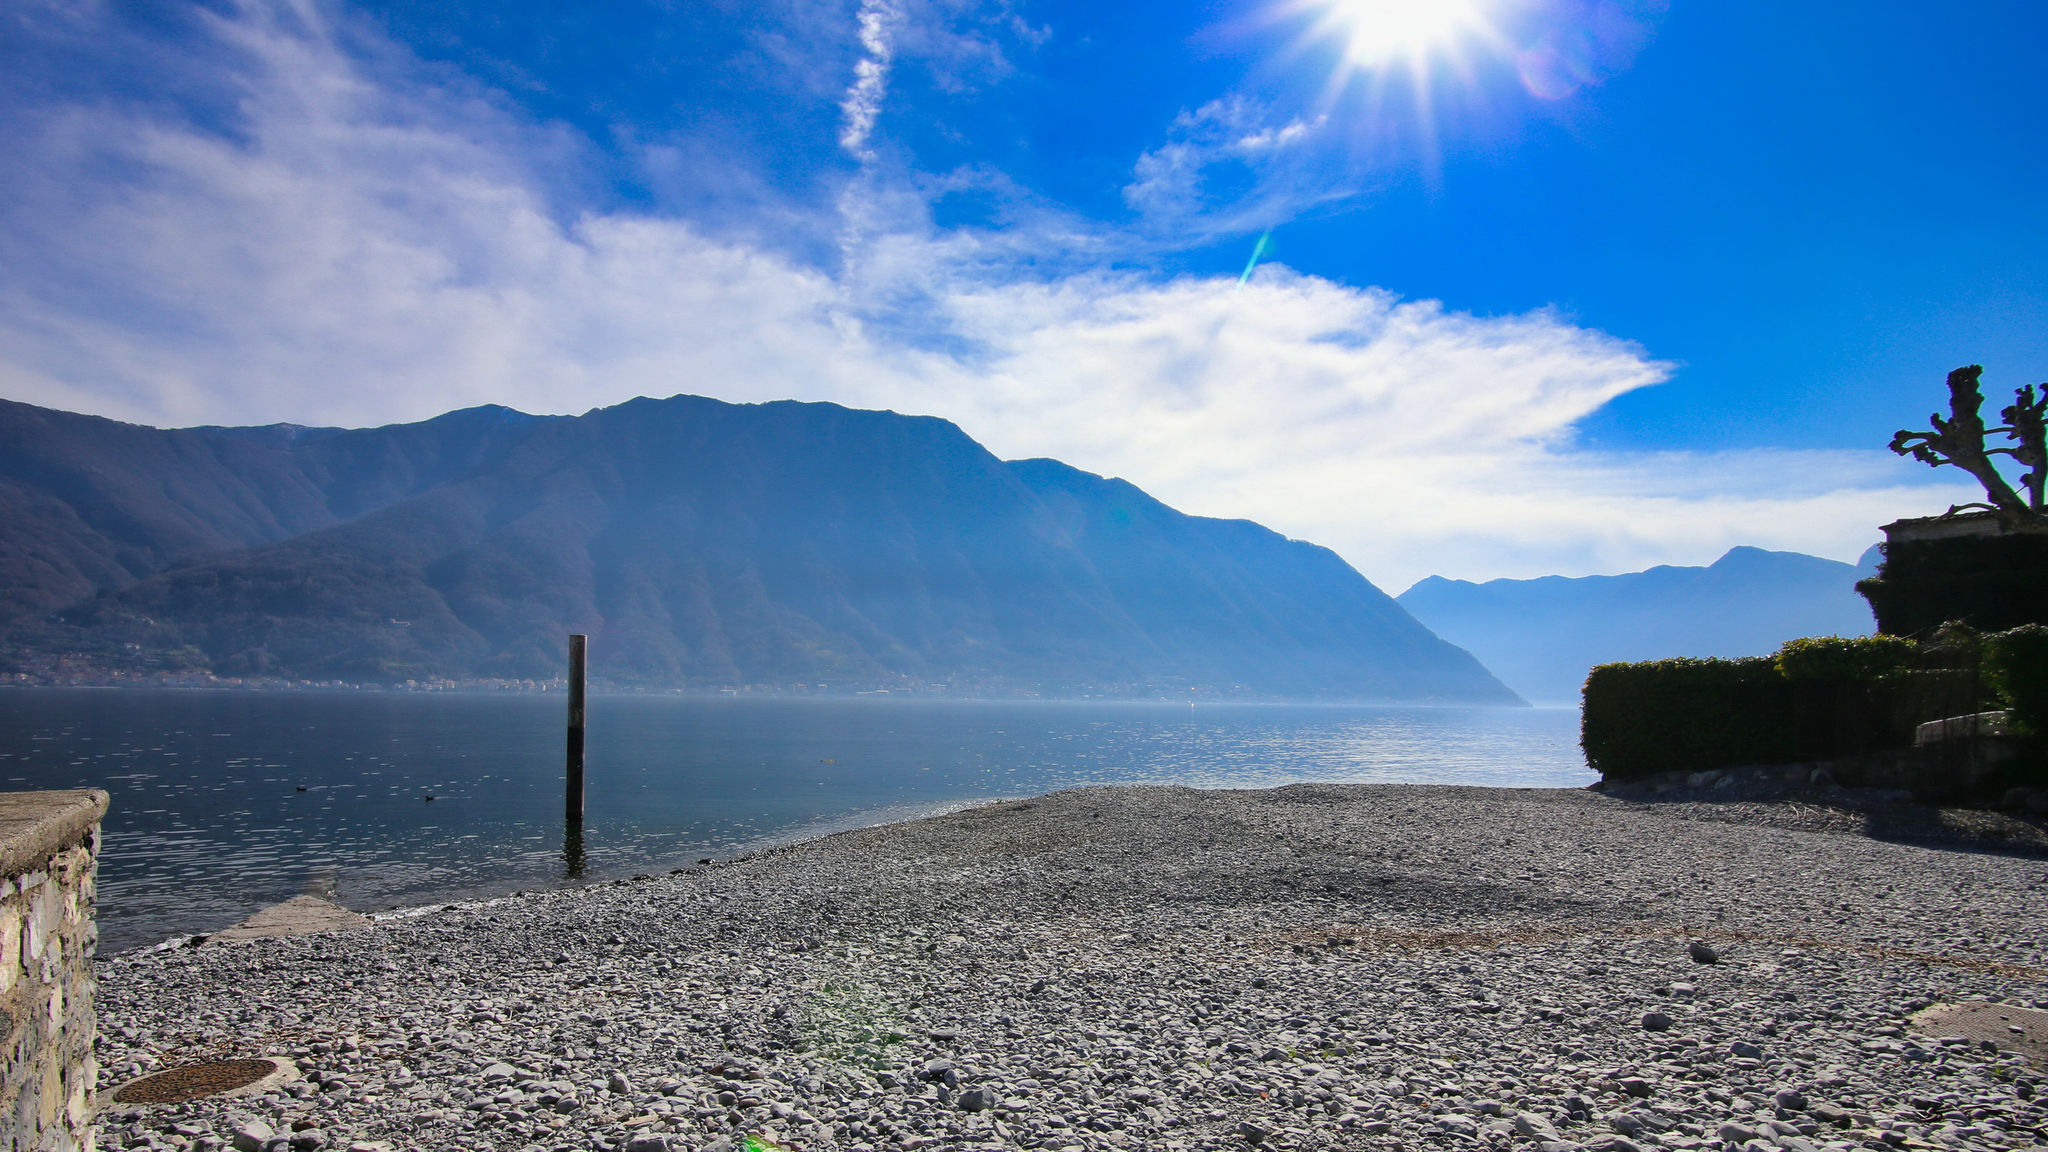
(297, 916)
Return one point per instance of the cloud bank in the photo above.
(360, 251)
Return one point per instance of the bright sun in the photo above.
(1378, 33)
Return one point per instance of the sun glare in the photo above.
(1377, 34)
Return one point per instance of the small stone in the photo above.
(1626, 1123)
(1732, 1133)
(1746, 1050)
(1790, 1099)
(1701, 953)
(1636, 1086)
(976, 1100)
(1828, 1114)
(251, 1136)
(1457, 1125)
(1656, 1022)
(500, 1071)
(1252, 1133)
(309, 1140)
(1272, 1054)
(1535, 1127)
(1620, 1144)
(647, 1142)
(618, 1083)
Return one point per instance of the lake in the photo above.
(225, 801)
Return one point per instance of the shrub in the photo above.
(1953, 644)
(1686, 715)
(1843, 657)
(2016, 664)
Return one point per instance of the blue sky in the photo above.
(1553, 286)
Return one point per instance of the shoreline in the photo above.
(600, 688)
(1314, 966)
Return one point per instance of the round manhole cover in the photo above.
(193, 1081)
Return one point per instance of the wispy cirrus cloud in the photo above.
(863, 101)
(356, 249)
(1231, 166)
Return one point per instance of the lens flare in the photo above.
(1378, 34)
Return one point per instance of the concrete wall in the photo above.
(49, 852)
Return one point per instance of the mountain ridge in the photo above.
(701, 544)
(1541, 636)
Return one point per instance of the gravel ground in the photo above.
(1314, 967)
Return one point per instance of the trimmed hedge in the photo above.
(1843, 657)
(1690, 715)
(2016, 664)
(1686, 715)
(1989, 582)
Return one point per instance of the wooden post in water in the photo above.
(579, 667)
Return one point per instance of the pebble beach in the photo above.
(1312, 967)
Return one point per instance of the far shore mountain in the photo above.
(702, 545)
(1542, 636)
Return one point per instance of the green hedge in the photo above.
(1817, 699)
(1843, 657)
(1990, 582)
(1686, 715)
(2016, 664)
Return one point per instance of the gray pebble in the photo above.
(1334, 966)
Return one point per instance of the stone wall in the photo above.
(49, 851)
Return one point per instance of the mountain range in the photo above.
(1542, 636)
(700, 544)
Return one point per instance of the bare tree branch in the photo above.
(1959, 442)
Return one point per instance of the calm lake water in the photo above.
(226, 801)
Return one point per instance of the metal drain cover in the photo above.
(215, 1078)
(2019, 1030)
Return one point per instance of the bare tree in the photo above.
(1960, 441)
(2026, 422)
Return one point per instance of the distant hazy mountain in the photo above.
(699, 543)
(1541, 636)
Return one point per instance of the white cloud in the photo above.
(1226, 167)
(863, 102)
(358, 253)
(1412, 439)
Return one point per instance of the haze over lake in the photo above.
(208, 824)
